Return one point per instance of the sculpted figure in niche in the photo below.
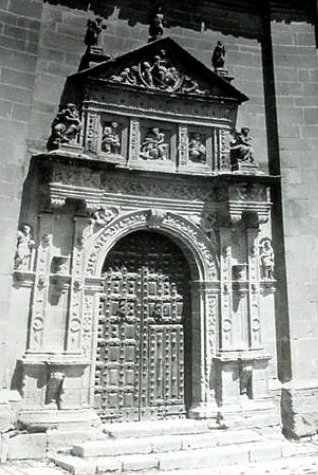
(267, 259)
(65, 127)
(241, 149)
(197, 149)
(154, 147)
(111, 142)
(25, 245)
(218, 57)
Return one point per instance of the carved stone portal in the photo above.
(148, 259)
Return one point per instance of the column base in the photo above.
(41, 420)
(260, 414)
(299, 407)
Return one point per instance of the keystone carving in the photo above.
(156, 218)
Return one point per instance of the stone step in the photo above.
(167, 443)
(156, 428)
(169, 461)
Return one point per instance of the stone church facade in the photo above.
(164, 265)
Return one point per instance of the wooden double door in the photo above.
(143, 363)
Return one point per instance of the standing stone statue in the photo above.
(218, 57)
(25, 245)
(156, 27)
(267, 259)
(65, 127)
(94, 29)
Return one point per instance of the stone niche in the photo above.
(148, 151)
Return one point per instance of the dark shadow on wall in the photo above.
(217, 15)
(281, 300)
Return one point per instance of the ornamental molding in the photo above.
(190, 236)
(169, 189)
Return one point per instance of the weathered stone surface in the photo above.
(27, 446)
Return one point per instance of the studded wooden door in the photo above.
(144, 331)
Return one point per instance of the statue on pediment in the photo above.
(218, 57)
(241, 147)
(111, 141)
(197, 149)
(65, 127)
(94, 29)
(154, 146)
(156, 27)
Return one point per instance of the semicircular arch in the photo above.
(198, 249)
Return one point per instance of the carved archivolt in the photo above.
(190, 236)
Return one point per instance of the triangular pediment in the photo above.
(163, 66)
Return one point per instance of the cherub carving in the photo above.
(65, 127)
(25, 246)
(266, 259)
(102, 216)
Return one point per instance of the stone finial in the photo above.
(156, 26)
(218, 56)
(93, 32)
(65, 127)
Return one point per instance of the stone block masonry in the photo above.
(19, 42)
